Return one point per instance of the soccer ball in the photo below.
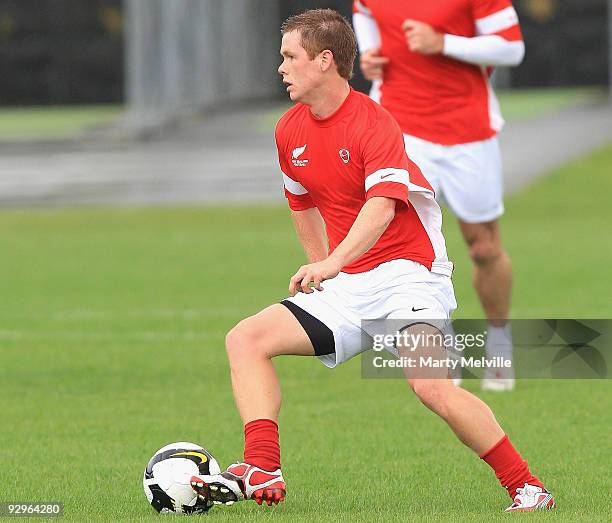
(167, 478)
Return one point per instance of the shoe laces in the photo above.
(527, 490)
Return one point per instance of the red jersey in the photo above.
(434, 97)
(336, 164)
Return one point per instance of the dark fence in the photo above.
(567, 43)
(61, 51)
(72, 51)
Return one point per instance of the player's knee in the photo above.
(234, 342)
(241, 341)
(432, 393)
(484, 251)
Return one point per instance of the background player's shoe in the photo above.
(498, 380)
(239, 482)
(531, 498)
(455, 375)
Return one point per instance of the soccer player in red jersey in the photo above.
(430, 63)
(370, 228)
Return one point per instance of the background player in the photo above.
(430, 63)
(346, 172)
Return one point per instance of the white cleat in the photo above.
(530, 498)
(497, 385)
(498, 380)
(239, 482)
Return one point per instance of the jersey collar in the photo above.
(337, 114)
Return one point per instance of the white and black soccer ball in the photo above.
(167, 478)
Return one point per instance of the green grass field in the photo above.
(523, 104)
(53, 122)
(111, 345)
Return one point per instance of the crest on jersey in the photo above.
(297, 152)
(344, 155)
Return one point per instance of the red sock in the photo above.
(261, 447)
(510, 468)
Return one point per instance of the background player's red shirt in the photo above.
(337, 163)
(437, 98)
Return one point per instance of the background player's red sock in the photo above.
(510, 468)
(261, 447)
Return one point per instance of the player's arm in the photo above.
(307, 220)
(371, 222)
(371, 62)
(310, 230)
(498, 40)
(488, 50)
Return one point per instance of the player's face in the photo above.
(300, 73)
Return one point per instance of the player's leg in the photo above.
(468, 417)
(492, 275)
(250, 346)
(473, 190)
(492, 279)
(475, 425)
(312, 324)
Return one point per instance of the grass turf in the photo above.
(528, 104)
(53, 122)
(111, 334)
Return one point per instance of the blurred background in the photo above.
(99, 77)
(142, 215)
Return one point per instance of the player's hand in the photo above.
(422, 38)
(372, 64)
(313, 273)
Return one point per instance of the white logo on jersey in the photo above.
(345, 155)
(297, 152)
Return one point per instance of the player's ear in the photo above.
(326, 59)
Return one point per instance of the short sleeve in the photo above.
(496, 17)
(296, 194)
(361, 7)
(385, 161)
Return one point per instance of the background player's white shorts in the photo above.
(467, 177)
(389, 291)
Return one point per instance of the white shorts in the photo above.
(390, 291)
(466, 177)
